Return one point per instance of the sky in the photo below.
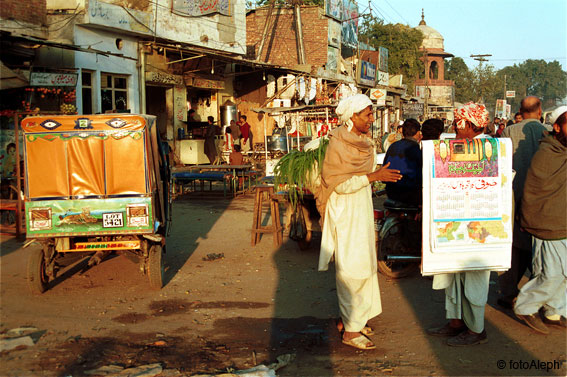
(512, 31)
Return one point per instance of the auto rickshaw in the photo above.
(95, 185)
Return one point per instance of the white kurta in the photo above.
(348, 234)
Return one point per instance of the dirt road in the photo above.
(246, 308)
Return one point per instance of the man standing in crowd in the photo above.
(235, 131)
(405, 156)
(543, 216)
(525, 142)
(492, 127)
(518, 117)
(466, 293)
(210, 142)
(344, 199)
(245, 134)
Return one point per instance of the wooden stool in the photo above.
(275, 228)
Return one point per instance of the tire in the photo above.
(38, 281)
(393, 243)
(155, 266)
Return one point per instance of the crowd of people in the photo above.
(539, 233)
(237, 139)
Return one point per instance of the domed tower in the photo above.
(440, 92)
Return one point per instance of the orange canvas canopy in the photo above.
(94, 155)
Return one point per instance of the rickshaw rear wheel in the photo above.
(155, 266)
(38, 281)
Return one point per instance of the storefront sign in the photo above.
(197, 8)
(207, 84)
(163, 78)
(53, 79)
(367, 72)
(383, 78)
(510, 93)
(378, 95)
(412, 110)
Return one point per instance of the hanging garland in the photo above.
(136, 135)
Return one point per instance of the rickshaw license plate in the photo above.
(112, 220)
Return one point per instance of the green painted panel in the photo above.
(57, 218)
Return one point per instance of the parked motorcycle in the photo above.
(398, 238)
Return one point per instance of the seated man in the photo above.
(405, 155)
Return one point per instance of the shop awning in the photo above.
(276, 110)
(10, 79)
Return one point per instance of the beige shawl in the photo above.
(347, 155)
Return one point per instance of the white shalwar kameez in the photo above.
(348, 234)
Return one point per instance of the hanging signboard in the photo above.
(334, 34)
(500, 110)
(510, 93)
(350, 24)
(367, 73)
(197, 8)
(207, 84)
(383, 78)
(378, 95)
(383, 59)
(467, 205)
(412, 110)
(53, 79)
(334, 9)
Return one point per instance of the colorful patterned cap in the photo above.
(473, 112)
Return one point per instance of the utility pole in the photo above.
(480, 58)
(266, 27)
(299, 32)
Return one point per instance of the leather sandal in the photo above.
(361, 342)
(366, 330)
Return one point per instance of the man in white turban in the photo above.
(466, 292)
(344, 200)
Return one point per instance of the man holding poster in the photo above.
(466, 292)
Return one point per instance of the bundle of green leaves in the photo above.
(295, 171)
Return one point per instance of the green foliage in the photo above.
(456, 69)
(530, 78)
(295, 170)
(402, 43)
(546, 80)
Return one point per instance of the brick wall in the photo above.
(30, 11)
(280, 47)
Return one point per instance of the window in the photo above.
(113, 92)
(87, 91)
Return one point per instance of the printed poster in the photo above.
(467, 205)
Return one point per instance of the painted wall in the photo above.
(106, 41)
(225, 33)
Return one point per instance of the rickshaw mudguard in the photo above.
(89, 217)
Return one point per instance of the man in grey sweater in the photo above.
(525, 142)
(543, 216)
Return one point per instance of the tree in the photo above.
(402, 43)
(547, 81)
(456, 69)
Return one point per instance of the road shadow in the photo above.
(193, 216)
(9, 244)
(493, 359)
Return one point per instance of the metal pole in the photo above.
(299, 34)
(18, 177)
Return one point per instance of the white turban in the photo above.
(351, 105)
